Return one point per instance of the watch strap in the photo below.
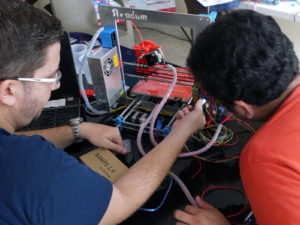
(75, 125)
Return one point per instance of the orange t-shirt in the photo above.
(270, 166)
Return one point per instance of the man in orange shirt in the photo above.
(249, 65)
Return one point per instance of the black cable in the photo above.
(188, 37)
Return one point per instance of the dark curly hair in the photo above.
(243, 56)
(25, 34)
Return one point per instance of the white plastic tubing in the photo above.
(80, 80)
(152, 117)
(206, 147)
(158, 109)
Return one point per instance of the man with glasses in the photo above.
(39, 182)
(55, 80)
(247, 63)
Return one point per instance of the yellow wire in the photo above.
(117, 109)
(213, 161)
(225, 132)
(162, 112)
(245, 123)
(218, 161)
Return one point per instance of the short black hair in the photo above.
(25, 34)
(243, 56)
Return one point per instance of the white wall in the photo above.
(292, 30)
(289, 27)
(180, 6)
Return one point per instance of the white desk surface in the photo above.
(286, 10)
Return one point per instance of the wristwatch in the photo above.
(74, 123)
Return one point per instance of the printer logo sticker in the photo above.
(129, 15)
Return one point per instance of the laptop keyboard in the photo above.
(53, 117)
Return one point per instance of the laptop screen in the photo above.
(68, 83)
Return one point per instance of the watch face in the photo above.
(76, 120)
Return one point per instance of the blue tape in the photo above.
(221, 109)
(167, 130)
(159, 126)
(212, 16)
(123, 85)
(119, 122)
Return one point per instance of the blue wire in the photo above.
(162, 201)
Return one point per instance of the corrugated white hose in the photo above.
(183, 188)
(153, 117)
(162, 103)
(206, 147)
(80, 75)
(141, 130)
(176, 178)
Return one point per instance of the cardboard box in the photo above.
(105, 163)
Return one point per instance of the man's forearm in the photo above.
(61, 137)
(143, 178)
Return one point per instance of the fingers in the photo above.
(185, 110)
(189, 108)
(199, 103)
(203, 204)
(183, 216)
(118, 140)
(180, 115)
(117, 148)
(114, 141)
(191, 209)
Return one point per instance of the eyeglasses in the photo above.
(55, 80)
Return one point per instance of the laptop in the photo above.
(64, 103)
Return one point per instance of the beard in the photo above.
(31, 107)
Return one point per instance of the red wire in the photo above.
(227, 118)
(137, 30)
(243, 123)
(199, 161)
(230, 188)
(200, 168)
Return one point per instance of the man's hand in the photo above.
(103, 136)
(190, 119)
(202, 214)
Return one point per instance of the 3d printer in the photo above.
(154, 75)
